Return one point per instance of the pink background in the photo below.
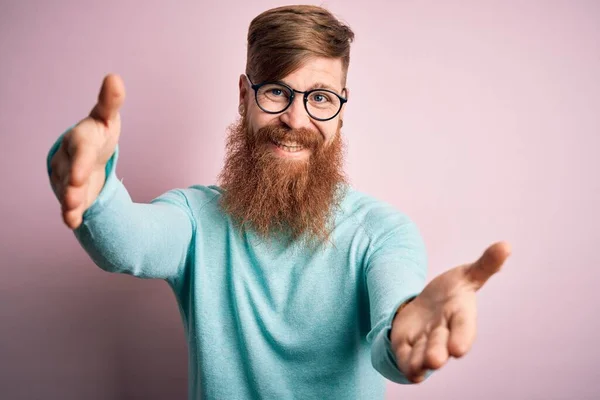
(479, 119)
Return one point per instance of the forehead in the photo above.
(319, 71)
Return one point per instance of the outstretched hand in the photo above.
(441, 321)
(78, 166)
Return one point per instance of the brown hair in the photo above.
(281, 39)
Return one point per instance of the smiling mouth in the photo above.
(289, 147)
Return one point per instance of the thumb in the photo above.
(488, 264)
(110, 99)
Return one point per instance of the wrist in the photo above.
(398, 310)
(403, 306)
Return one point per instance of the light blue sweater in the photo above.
(265, 320)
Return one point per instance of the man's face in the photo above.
(283, 172)
(319, 72)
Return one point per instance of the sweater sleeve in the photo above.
(144, 240)
(395, 272)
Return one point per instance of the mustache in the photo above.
(303, 136)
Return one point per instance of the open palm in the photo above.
(441, 321)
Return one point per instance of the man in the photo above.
(290, 283)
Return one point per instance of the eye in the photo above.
(276, 92)
(320, 97)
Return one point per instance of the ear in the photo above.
(244, 90)
(346, 94)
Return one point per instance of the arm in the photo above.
(144, 240)
(395, 273)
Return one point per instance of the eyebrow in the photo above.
(319, 85)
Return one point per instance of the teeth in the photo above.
(291, 147)
(293, 144)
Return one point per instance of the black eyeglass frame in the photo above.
(293, 92)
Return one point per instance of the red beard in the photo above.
(280, 197)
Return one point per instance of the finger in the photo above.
(436, 354)
(73, 218)
(59, 173)
(417, 358)
(55, 182)
(488, 264)
(58, 167)
(83, 161)
(74, 197)
(403, 356)
(463, 330)
(110, 99)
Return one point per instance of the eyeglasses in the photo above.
(276, 97)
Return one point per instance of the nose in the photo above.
(296, 116)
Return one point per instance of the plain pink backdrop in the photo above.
(479, 119)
